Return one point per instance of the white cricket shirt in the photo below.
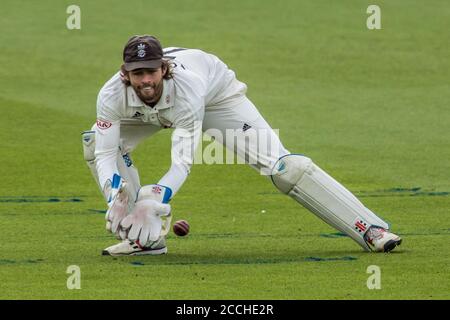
(200, 81)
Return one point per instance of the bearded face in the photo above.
(148, 84)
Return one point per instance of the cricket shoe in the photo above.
(381, 240)
(133, 248)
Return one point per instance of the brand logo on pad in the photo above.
(281, 166)
(360, 225)
(103, 124)
(127, 160)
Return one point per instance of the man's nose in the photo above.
(147, 78)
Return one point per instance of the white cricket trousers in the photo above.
(236, 124)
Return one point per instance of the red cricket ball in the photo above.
(181, 228)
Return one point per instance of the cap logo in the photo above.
(141, 50)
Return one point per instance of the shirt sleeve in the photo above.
(185, 140)
(107, 142)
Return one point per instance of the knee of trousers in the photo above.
(88, 140)
(288, 170)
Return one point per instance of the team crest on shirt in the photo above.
(141, 50)
(101, 124)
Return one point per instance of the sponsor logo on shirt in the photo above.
(101, 124)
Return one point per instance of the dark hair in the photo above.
(165, 63)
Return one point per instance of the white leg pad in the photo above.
(130, 174)
(88, 140)
(325, 197)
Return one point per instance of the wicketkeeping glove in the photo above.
(117, 205)
(150, 217)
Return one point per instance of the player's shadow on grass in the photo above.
(246, 258)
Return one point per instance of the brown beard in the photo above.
(152, 101)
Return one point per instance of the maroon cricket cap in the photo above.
(142, 52)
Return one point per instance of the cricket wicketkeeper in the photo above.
(192, 92)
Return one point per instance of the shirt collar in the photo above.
(133, 99)
(166, 100)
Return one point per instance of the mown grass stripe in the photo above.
(234, 261)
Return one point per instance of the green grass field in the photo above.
(371, 107)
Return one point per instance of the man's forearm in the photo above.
(175, 177)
